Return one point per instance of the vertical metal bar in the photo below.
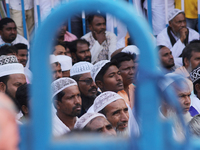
(83, 23)
(166, 13)
(7, 8)
(149, 13)
(38, 12)
(24, 19)
(115, 25)
(199, 15)
(69, 23)
(182, 5)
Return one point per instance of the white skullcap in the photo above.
(173, 14)
(80, 68)
(131, 49)
(85, 119)
(97, 67)
(65, 61)
(9, 65)
(53, 59)
(104, 99)
(60, 84)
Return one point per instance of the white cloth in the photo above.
(16, 4)
(28, 74)
(80, 68)
(195, 102)
(158, 14)
(97, 48)
(163, 39)
(59, 128)
(19, 39)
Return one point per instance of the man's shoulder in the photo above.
(86, 35)
(163, 32)
(193, 31)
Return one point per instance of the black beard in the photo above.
(14, 100)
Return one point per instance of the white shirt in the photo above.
(97, 48)
(163, 39)
(16, 4)
(195, 102)
(59, 128)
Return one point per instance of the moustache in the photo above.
(87, 58)
(121, 124)
(120, 82)
(92, 88)
(77, 106)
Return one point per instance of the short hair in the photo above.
(7, 49)
(22, 95)
(194, 125)
(4, 79)
(160, 47)
(20, 46)
(4, 21)
(120, 57)
(91, 17)
(76, 77)
(56, 43)
(73, 44)
(187, 51)
(104, 69)
(59, 96)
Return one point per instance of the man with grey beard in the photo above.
(177, 35)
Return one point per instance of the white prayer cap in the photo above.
(60, 84)
(65, 61)
(131, 49)
(53, 59)
(172, 14)
(104, 99)
(9, 65)
(85, 119)
(97, 67)
(80, 68)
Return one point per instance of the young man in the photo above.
(67, 101)
(22, 53)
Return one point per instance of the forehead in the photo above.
(59, 47)
(22, 51)
(116, 105)
(81, 46)
(85, 75)
(10, 25)
(71, 90)
(164, 50)
(195, 54)
(98, 19)
(180, 16)
(17, 78)
(111, 69)
(98, 122)
(127, 63)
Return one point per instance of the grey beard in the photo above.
(124, 133)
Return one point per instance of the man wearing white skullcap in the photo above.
(176, 36)
(95, 122)
(80, 72)
(67, 101)
(56, 67)
(118, 113)
(107, 76)
(11, 76)
(66, 64)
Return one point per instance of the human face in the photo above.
(98, 24)
(70, 103)
(14, 81)
(83, 52)
(87, 89)
(101, 124)
(127, 69)
(194, 61)
(59, 50)
(22, 56)
(178, 23)
(9, 32)
(62, 30)
(112, 80)
(117, 114)
(57, 72)
(184, 99)
(68, 53)
(166, 58)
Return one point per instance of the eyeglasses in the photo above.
(88, 81)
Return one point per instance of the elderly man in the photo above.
(67, 101)
(176, 36)
(95, 122)
(166, 59)
(8, 32)
(118, 113)
(102, 43)
(107, 76)
(80, 72)
(11, 77)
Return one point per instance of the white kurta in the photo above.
(97, 48)
(163, 39)
(195, 102)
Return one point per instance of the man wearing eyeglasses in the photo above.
(80, 72)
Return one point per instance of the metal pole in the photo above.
(24, 19)
(199, 16)
(115, 25)
(166, 13)
(7, 8)
(149, 12)
(83, 23)
(182, 5)
(38, 11)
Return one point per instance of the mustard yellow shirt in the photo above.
(191, 10)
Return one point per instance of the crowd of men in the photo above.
(93, 82)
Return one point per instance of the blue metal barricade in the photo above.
(37, 135)
(24, 19)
